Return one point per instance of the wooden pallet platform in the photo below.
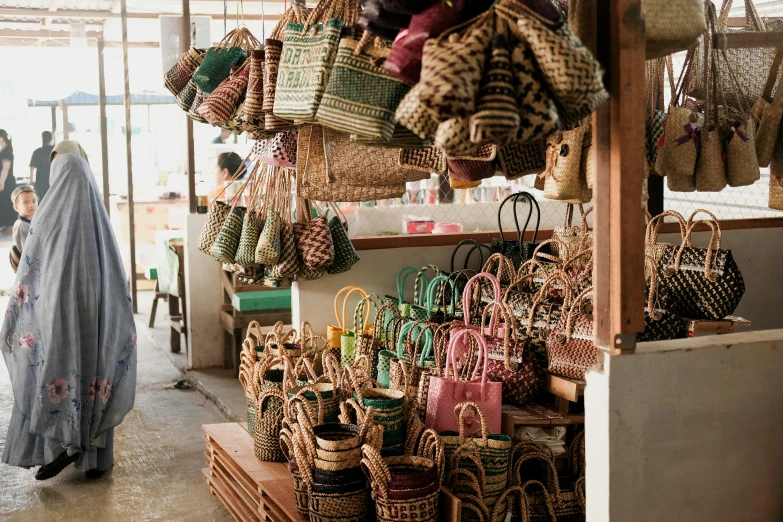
(257, 491)
(251, 489)
(535, 415)
(566, 391)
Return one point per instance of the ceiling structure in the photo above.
(48, 22)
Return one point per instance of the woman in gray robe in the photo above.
(69, 338)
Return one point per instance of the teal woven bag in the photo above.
(227, 242)
(345, 255)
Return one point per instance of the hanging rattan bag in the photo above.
(710, 165)
(563, 175)
(219, 106)
(313, 238)
(232, 51)
(672, 26)
(345, 255)
(252, 225)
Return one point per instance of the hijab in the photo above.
(68, 147)
(69, 338)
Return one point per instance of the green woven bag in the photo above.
(216, 67)
(361, 96)
(268, 248)
(345, 255)
(246, 253)
(224, 248)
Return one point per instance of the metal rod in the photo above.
(104, 124)
(191, 146)
(128, 134)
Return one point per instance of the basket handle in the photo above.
(466, 298)
(459, 412)
(376, 469)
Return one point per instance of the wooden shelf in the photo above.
(535, 415)
(568, 389)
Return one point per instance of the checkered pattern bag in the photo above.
(313, 239)
(279, 151)
(288, 262)
(224, 248)
(704, 283)
(570, 347)
(220, 105)
(218, 212)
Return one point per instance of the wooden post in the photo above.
(66, 124)
(619, 139)
(54, 122)
(184, 46)
(128, 134)
(104, 125)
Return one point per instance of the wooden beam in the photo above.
(54, 121)
(104, 125)
(66, 123)
(747, 40)
(95, 14)
(619, 225)
(66, 42)
(189, 135)
(129, 156)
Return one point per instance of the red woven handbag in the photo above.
(313, 238)
(570, 345)
(510, 361)
(219, 106)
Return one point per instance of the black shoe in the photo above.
(54, 468)
(95, 473)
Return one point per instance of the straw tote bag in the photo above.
(308, 60)
(336, 169)
(705, 283)
(564, 179)
(710, 173)
(751, 66)
(672, 26)
(230, 52)
(361, 96)
(570, 347)
(770, 115)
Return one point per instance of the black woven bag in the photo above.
(517, 250)
(704, 283)
(661, 323)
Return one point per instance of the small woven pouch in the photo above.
(563, 175)
(253, 108)
(280, 150)
(345, 255)
(251, 227)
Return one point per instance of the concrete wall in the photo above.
(204, 297)
(690, 430)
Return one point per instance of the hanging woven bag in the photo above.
(345, 255)
(311, 49)
(313, 238)
(563, 179)
(251, 226)
(178, 76)
(230, 52)
(279, 150)
(361, 97)
(769, 114)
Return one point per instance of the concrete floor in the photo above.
(159, 453)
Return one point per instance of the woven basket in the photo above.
(221, 103)
(521, 159)
(184, 99)
(496, 119)
(770, 115)
(253, 109)
(266, 436)
(340, 170)
(564, 180)
(672, 26)
(677, 158)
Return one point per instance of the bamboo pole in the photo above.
(128, 134)
(104, 125)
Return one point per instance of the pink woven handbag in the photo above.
(448, 391)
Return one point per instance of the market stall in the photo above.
(450, 381)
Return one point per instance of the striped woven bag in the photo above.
(219, 106)
(361, 96)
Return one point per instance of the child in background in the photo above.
(25, 203)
